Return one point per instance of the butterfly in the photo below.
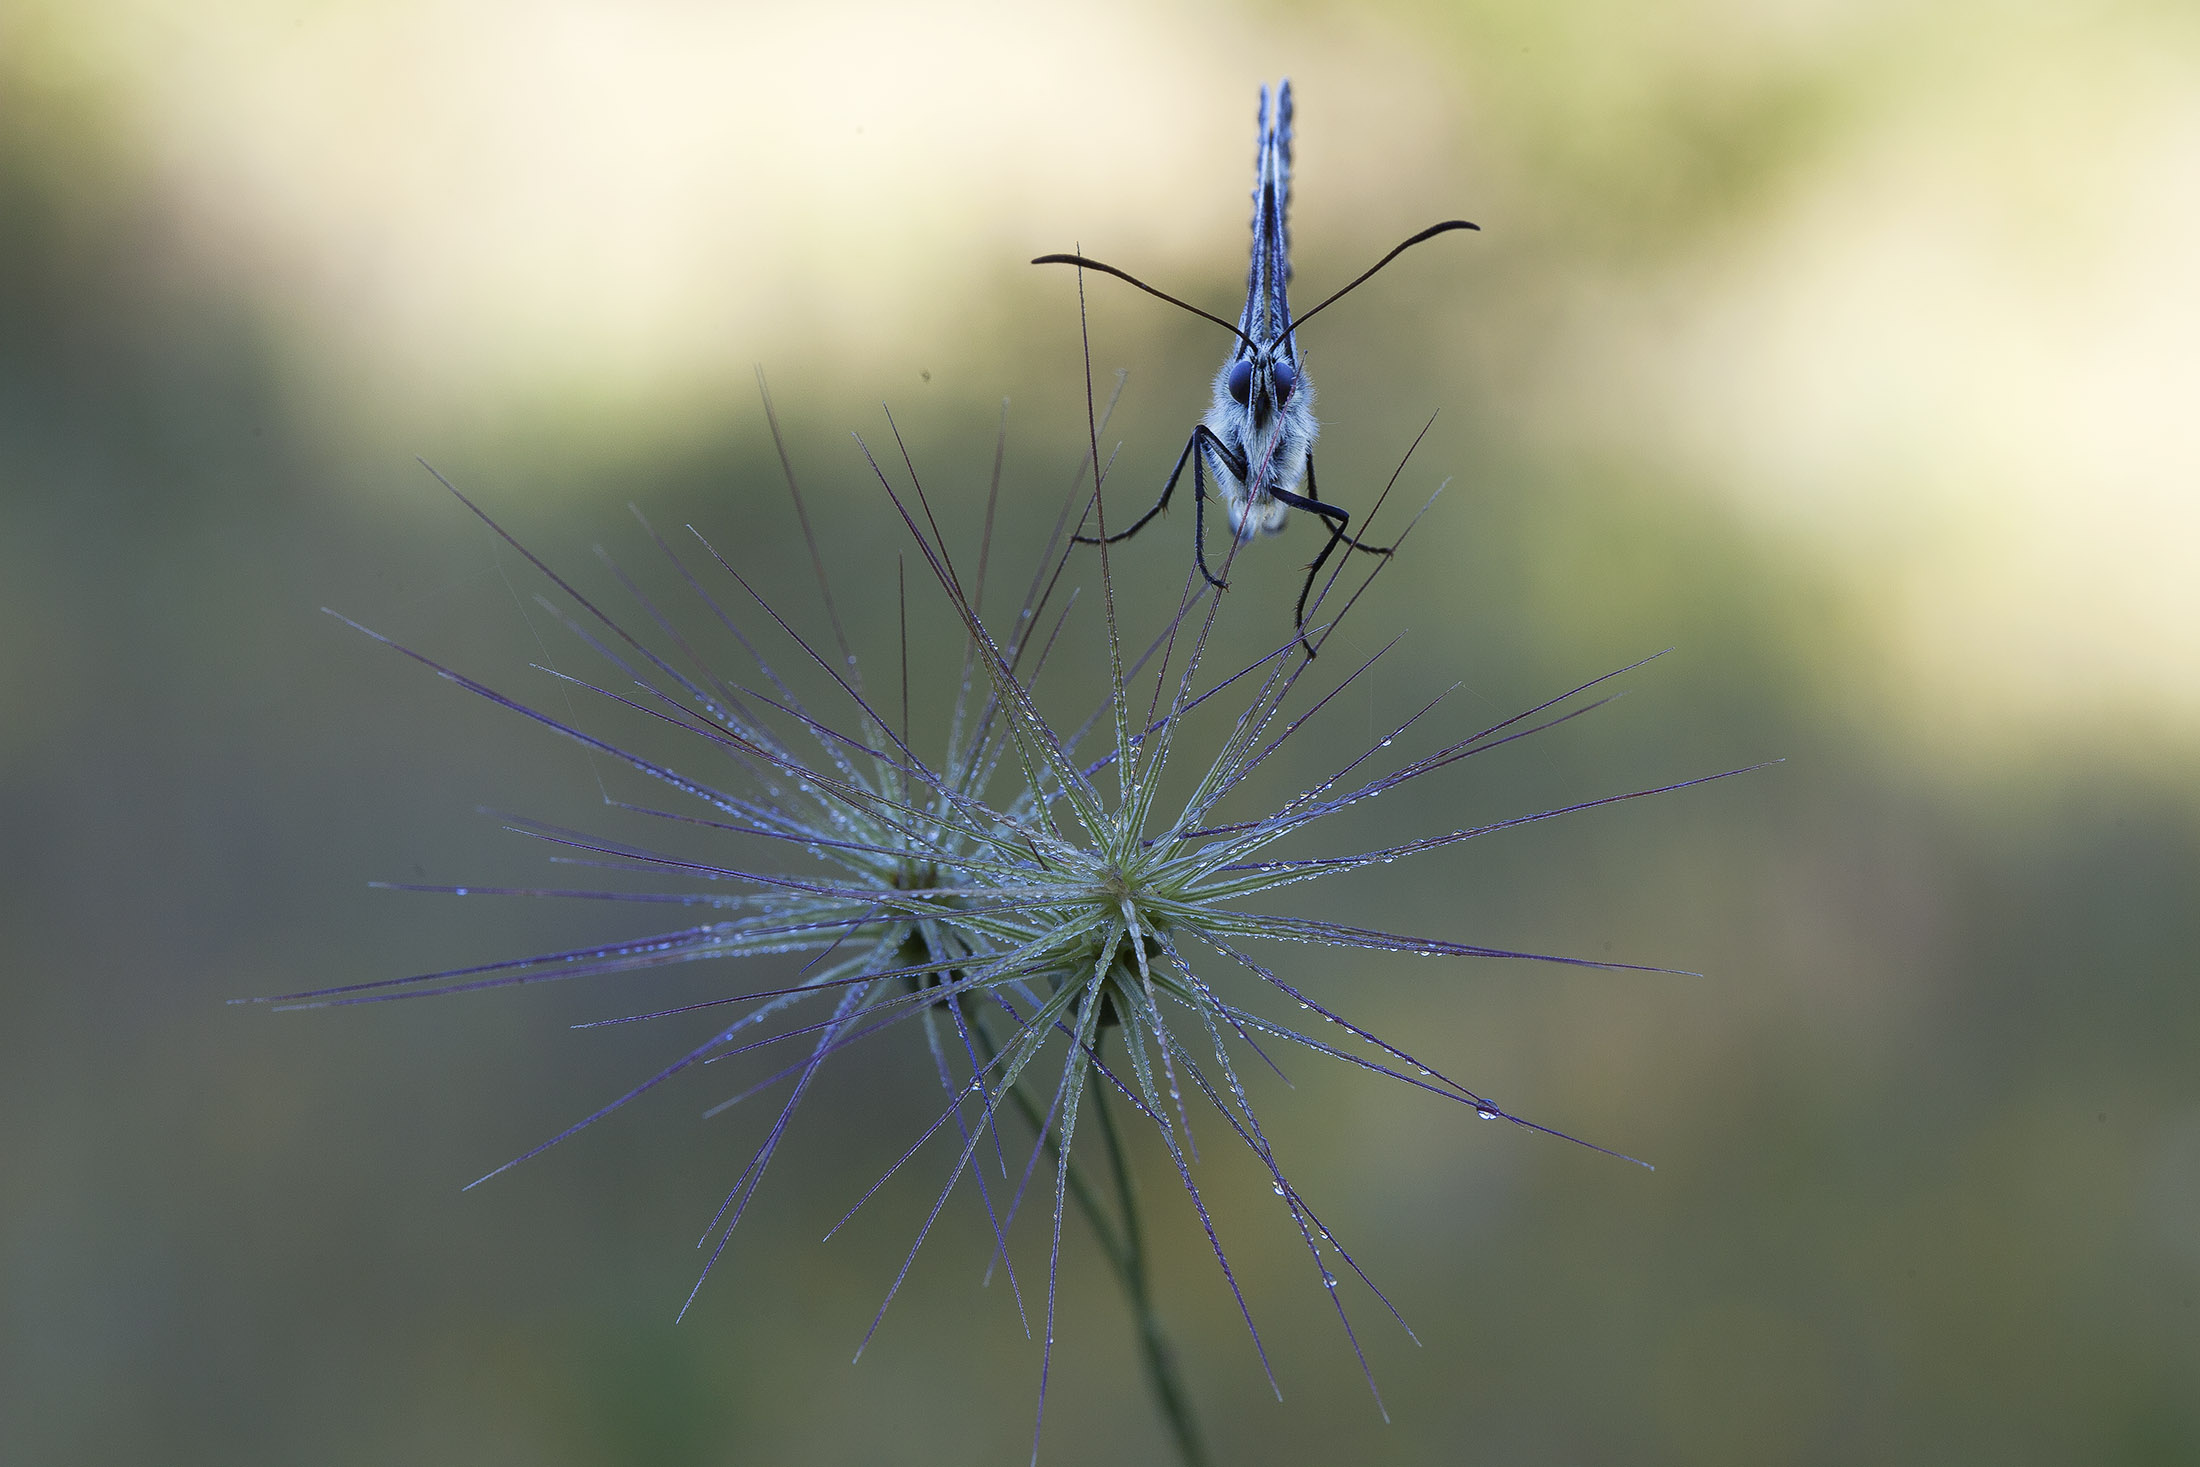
(1257, 439)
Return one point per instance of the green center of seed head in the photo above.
(1123, 966)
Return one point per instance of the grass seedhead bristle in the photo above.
(1075, 946)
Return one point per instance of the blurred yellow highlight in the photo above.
(1951, 355)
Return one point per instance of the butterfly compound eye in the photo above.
(1241, 380)
(1287, 380)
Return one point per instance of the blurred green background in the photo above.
(1847, 349)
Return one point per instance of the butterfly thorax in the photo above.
(1271, 430)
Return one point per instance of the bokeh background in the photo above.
(1845, 348)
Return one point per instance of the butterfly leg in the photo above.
(1336, 536)
(1201, 437)
(1158, 505)
(1196, 448)
(1336, 519)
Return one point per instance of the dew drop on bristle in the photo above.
(1276, 1187)
(1329, 1280)
(1488, 1112)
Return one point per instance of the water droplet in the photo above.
(461, 891)
(1329, 1280)
(1488, 1112)
(1276, 1187)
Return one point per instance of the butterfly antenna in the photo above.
(1091, 264)
(1429, 233)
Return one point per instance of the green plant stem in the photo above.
(1126, 1254)
(1161, 1372)
(1102, 1226)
